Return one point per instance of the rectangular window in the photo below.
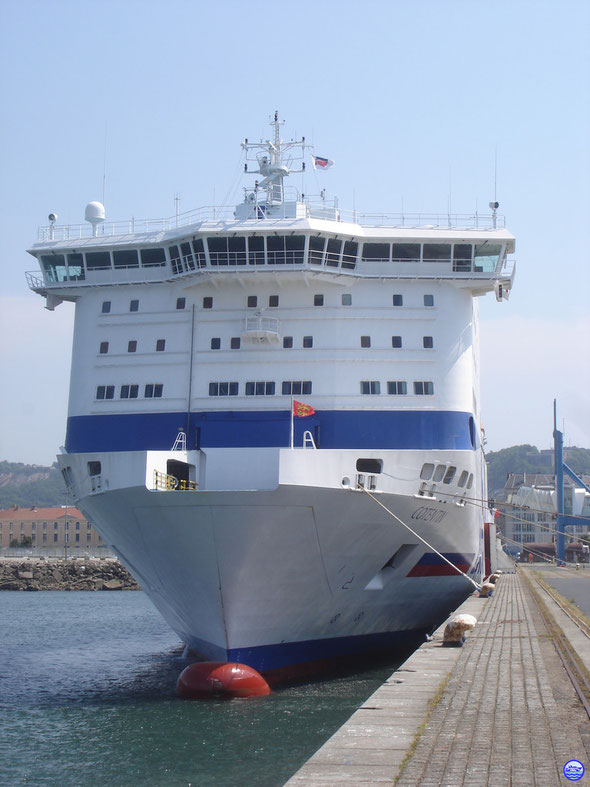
(308, 341)
(396, 342)
(160, 345)
(406, 252)
(436, 252)
(252, 301)
(316, 249)
(318, 300)
(287, 342)
(77, 536)
(346, 299)
(134, 306)
(104, 348)
(125, 258)
(333, 252)
(349, 254)
(273, 301)
(216, 343)
(75, 266)
(256, 250)
(129, 391)
(296, 387)
(370, 387)
(486, 257)
(106, 307)
(105, 392)
(365, 341)
(223, 389)
(55, 537)
(152, 257)
(462, 254)
(423, 388)
(98, 260)
(377, 251)
(429, 300)
(427, 342)
(397, 387)
(180, 303)
(207, 303)
(398, 300)
(260, 389)
(235, 342)
(132, 346)
(153, 390)
(175, 259)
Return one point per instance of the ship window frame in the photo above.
(396, 342)
(216, 343)
(235, 343)
(376, 251)
(398, 299)
(426, 471)
(103, 348)
(307, 342)
(436, 252)
(428, 300)
(397, 388)
(134, 305)
(180, 304)
(296, 388)
(106, 307)
(132, 346)
(260, 388)
(439, 473)
(406, 252)
(423, 388)
(125, 258)
(95, 255)
(207, 302)
(346, 299)
(370, 388)
(160, 345)
(428, 342)
(287, 342)
(317, 248)
(156, 251)
(365, 341)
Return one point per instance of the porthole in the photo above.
(427, 471)
(439, 472)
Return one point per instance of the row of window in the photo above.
(150, 391)
(261, 388)
(223, 250)
(55, 537)
(273, 302)
(55, 526)
(445, 473)
(397, 387)
(132, 346)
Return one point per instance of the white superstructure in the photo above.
(253, 535)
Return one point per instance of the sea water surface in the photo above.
(87, 698)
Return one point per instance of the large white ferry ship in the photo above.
(263, 535)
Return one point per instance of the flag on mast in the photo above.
(319, 162)
(301, 410)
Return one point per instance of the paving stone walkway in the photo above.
(498, 722)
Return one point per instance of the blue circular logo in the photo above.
(573, 770)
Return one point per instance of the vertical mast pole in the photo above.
(292, 432)
(558, 459)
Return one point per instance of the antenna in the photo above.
(104, 163)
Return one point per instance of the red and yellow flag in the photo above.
(301, 410)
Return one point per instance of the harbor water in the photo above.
(87, 697)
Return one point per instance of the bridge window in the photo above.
(316, 249)
(462, 478)
(423, 388)
(486, 257)
(75, 266)
(349, 254)
(199, 250)
(151, 258)
(370, 387)
(175, 259)
(397, 387)
(296, 387)
(377, 251)
(462, 253)
(406, 252)
(436, 252)
(104, 348)
(255, 250)
(125, 258)
(98, 260)
(450, 474)
(333, 249)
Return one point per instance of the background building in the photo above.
(58, 527)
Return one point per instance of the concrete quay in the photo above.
(499, 711)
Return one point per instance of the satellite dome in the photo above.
(94, 212)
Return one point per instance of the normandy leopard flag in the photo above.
(301, 410)
(322, 163)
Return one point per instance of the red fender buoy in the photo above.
(221, 678)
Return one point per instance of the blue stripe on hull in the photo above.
(379, 429)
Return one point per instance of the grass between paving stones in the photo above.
(432, 703)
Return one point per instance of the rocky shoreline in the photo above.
(58, 574)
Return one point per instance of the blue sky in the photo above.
(413, 100)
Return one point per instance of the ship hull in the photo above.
(280, 578)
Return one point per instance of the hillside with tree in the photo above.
(31, 485)
(528, 459)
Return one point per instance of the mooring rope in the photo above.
(424, 541)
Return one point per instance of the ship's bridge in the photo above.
(470, 249)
